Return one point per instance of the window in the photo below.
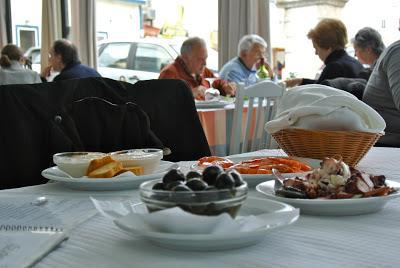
(151, 58)
(35, 56)
(26, 19)
(27, 36)
(115, 55)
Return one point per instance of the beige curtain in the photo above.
(51, 28)
(237, 18)
(3, 30)
(83, 30)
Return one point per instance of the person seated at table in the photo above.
(64, 59)
(190, 66)
(243, 68)
(12, 71)
(329, 39)
(383, 93)
(368, 46)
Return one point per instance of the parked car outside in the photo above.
(140, 59)
(131, 61)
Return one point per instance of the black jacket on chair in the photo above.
(94, 124)
(168, 103)
(39, 120)
(354, 86)
(170, 106)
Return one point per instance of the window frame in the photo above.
(19, 28)
(8, 21)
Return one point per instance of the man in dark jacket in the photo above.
(64, 59)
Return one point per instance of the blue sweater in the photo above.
(235, 71)
(76, 70)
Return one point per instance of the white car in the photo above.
(134, 60)
(33, 54)
(140, 59)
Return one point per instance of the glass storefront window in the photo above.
(26, 23)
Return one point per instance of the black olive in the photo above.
(210, 194)
(182, 194)
(173, 184)
(196, 184)
(193, 174)
(173, 175)
(158, 186)
(237, 177)
(211, 173)
(181, 188)
(225, 181)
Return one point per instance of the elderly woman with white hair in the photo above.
(368, 46)
(251, 52)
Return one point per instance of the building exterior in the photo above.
(290, 22)
(120, 19)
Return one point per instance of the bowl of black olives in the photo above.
(212, 192)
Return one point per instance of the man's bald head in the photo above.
(67, 51)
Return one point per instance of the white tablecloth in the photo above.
(355, 241)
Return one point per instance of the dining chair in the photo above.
(248, 132)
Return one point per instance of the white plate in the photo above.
(332, 207)
(254, 179)
(122, 183)
(212, 104)
(210, 242)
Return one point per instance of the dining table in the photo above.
(370, 240)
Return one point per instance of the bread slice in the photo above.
(139, 170)
(97, 163)
(106, 171)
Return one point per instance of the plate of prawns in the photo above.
(257, 169)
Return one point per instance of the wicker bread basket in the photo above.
(351, 145)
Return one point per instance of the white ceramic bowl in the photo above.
(149, 158)
(75, 163)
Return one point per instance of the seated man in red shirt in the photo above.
(190, 66)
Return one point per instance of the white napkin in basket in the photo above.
(325, 108)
